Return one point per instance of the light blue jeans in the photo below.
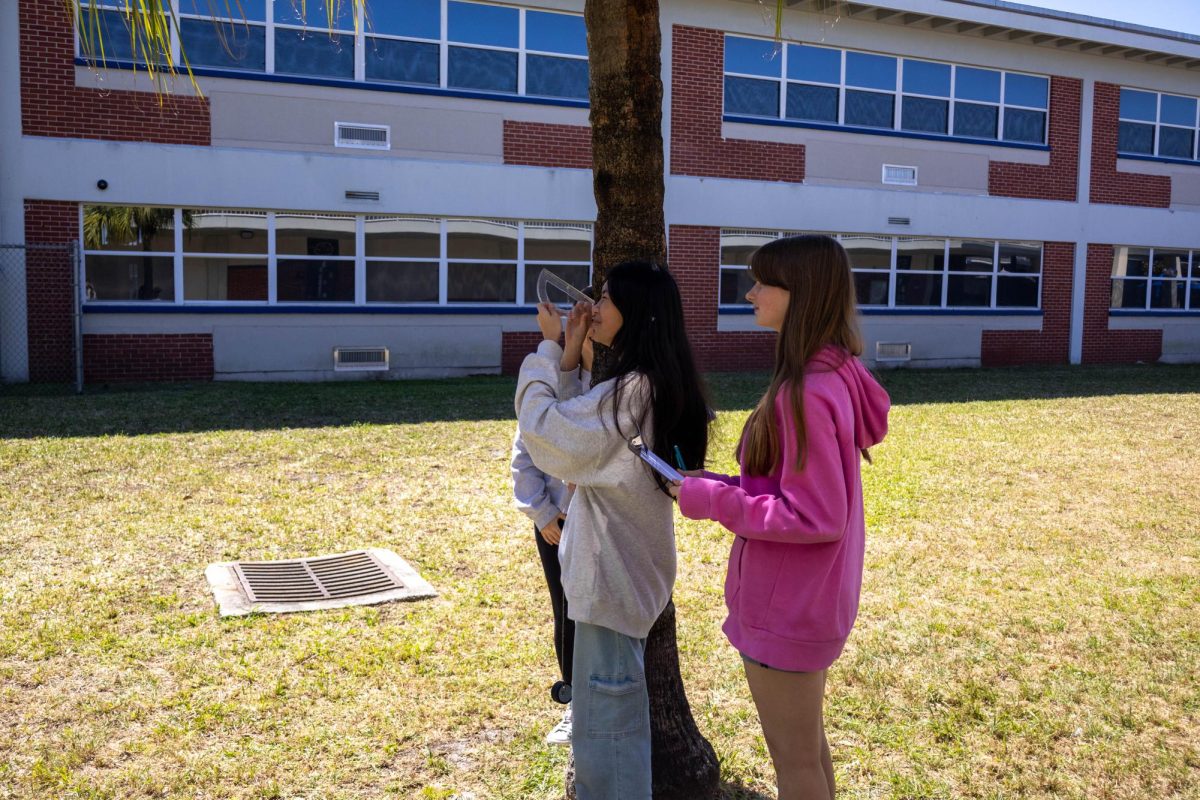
(610, 733)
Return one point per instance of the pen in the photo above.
(679, 458)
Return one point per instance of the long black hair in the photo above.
(652, 341)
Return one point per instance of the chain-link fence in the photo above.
(40, 332)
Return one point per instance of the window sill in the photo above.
(920, 312)
(211, 72)
(1159, 159)
(298, 308)
(790, 123)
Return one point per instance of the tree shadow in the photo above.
(735, 791)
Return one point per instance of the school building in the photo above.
(1014, 185)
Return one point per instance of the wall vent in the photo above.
(899, 175)
(370, 137)
(356, 194)
(893, 352)
(360, 359)
(899, 221)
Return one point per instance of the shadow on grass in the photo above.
(735, 791)
(54, 411)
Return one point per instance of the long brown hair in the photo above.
(821, 311)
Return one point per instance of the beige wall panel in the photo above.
(1185, 183)
(853, 164)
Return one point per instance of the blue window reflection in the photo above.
(1175, 142)
(870, 109)
(976, 121)
(1026, 90)
(239, 10)
(924, 114)
(818, 103)
(229, 45)
(418, 18)
(870, 71)
(752, 57)
(752, 97)
(314, 53)
(556, 77)
(314, 13)
(1021, 125)
(403, 62)
(925, 77)
(814, 64)
(113, 37)
(977, 84)
(555, 33)
(474, 23)
(1178, 110)
(487, 70)
(1139, 105)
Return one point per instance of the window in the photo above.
(237, 40)
(910, 271)
(1156, 124)
(262, 257)
(106, 36)
(854, 89)
(1153, 278)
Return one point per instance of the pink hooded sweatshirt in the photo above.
(795, 572)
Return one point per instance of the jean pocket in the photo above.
(619, 706)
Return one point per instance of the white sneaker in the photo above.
(560, 734)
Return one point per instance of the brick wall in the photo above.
(514, 346)
(539, 144)
(697, 100)
(128, 358)
(1101, 345)
(1052, 344)
(1108, 185)
(1059, 179)
(51, 104)
(50, 306)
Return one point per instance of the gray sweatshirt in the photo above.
(618, 550)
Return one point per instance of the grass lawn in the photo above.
(1030, 624)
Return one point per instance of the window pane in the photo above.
(401, 237)
(738, 246)
(1196, 265)
(113, 37)
(1016, 292)
(224, 279)
(130, 278)
(868, 252)
(1020, 257)
(301, 235)
(314, 13)
(924, 114)
(314, 52)
(1169, 264)
(870, 71)
(404, 62)
(556, 77)
(324, 280)
(1175, 142)
(814, 64)
(230, 45)
(402, 282)
(481, 283)
(215, 231)
(1128, 294)
(926, 77)
(481, 238)
(421, 18)
(812, 102)
(735, 283)
(576, 275)
(555, 33)
(1178, 110)
(969, 290)
(752, 57)
(1139, 105)
(969, 256)
(1195, 296)
(545, 243)
(1133, 137)
(871, 288)
(870, 109)
(1167, 294)
(141, 228)
(1024, 126)
(977, 84)
(1131, 262)
(475, 23)
(753, 97)
(489, 70)
(238, 10)
(920, 254)
(918, 289)
(1026, 90)
(975, 120)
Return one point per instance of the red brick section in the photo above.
(1108, 185)
(50, 308)
(1052, 344)
(697, 102)
(539, 144)
(130, 358)
(51, 104)
(514, 346)
(1059, 179)
(1101, 345)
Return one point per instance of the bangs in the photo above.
(766, 265)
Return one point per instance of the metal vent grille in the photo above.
(899, 221)
(899, 175)
(893, 352)
(360, 359)
(355, 194)
(371, 137)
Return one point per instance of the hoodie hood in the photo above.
(870, 400)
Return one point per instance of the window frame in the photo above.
(1157, 125)
(1190, 280)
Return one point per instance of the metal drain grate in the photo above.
(361, 577)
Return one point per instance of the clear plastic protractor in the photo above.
(553, 289)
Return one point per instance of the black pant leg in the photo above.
(564, 628)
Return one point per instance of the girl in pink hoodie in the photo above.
(795, 571)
